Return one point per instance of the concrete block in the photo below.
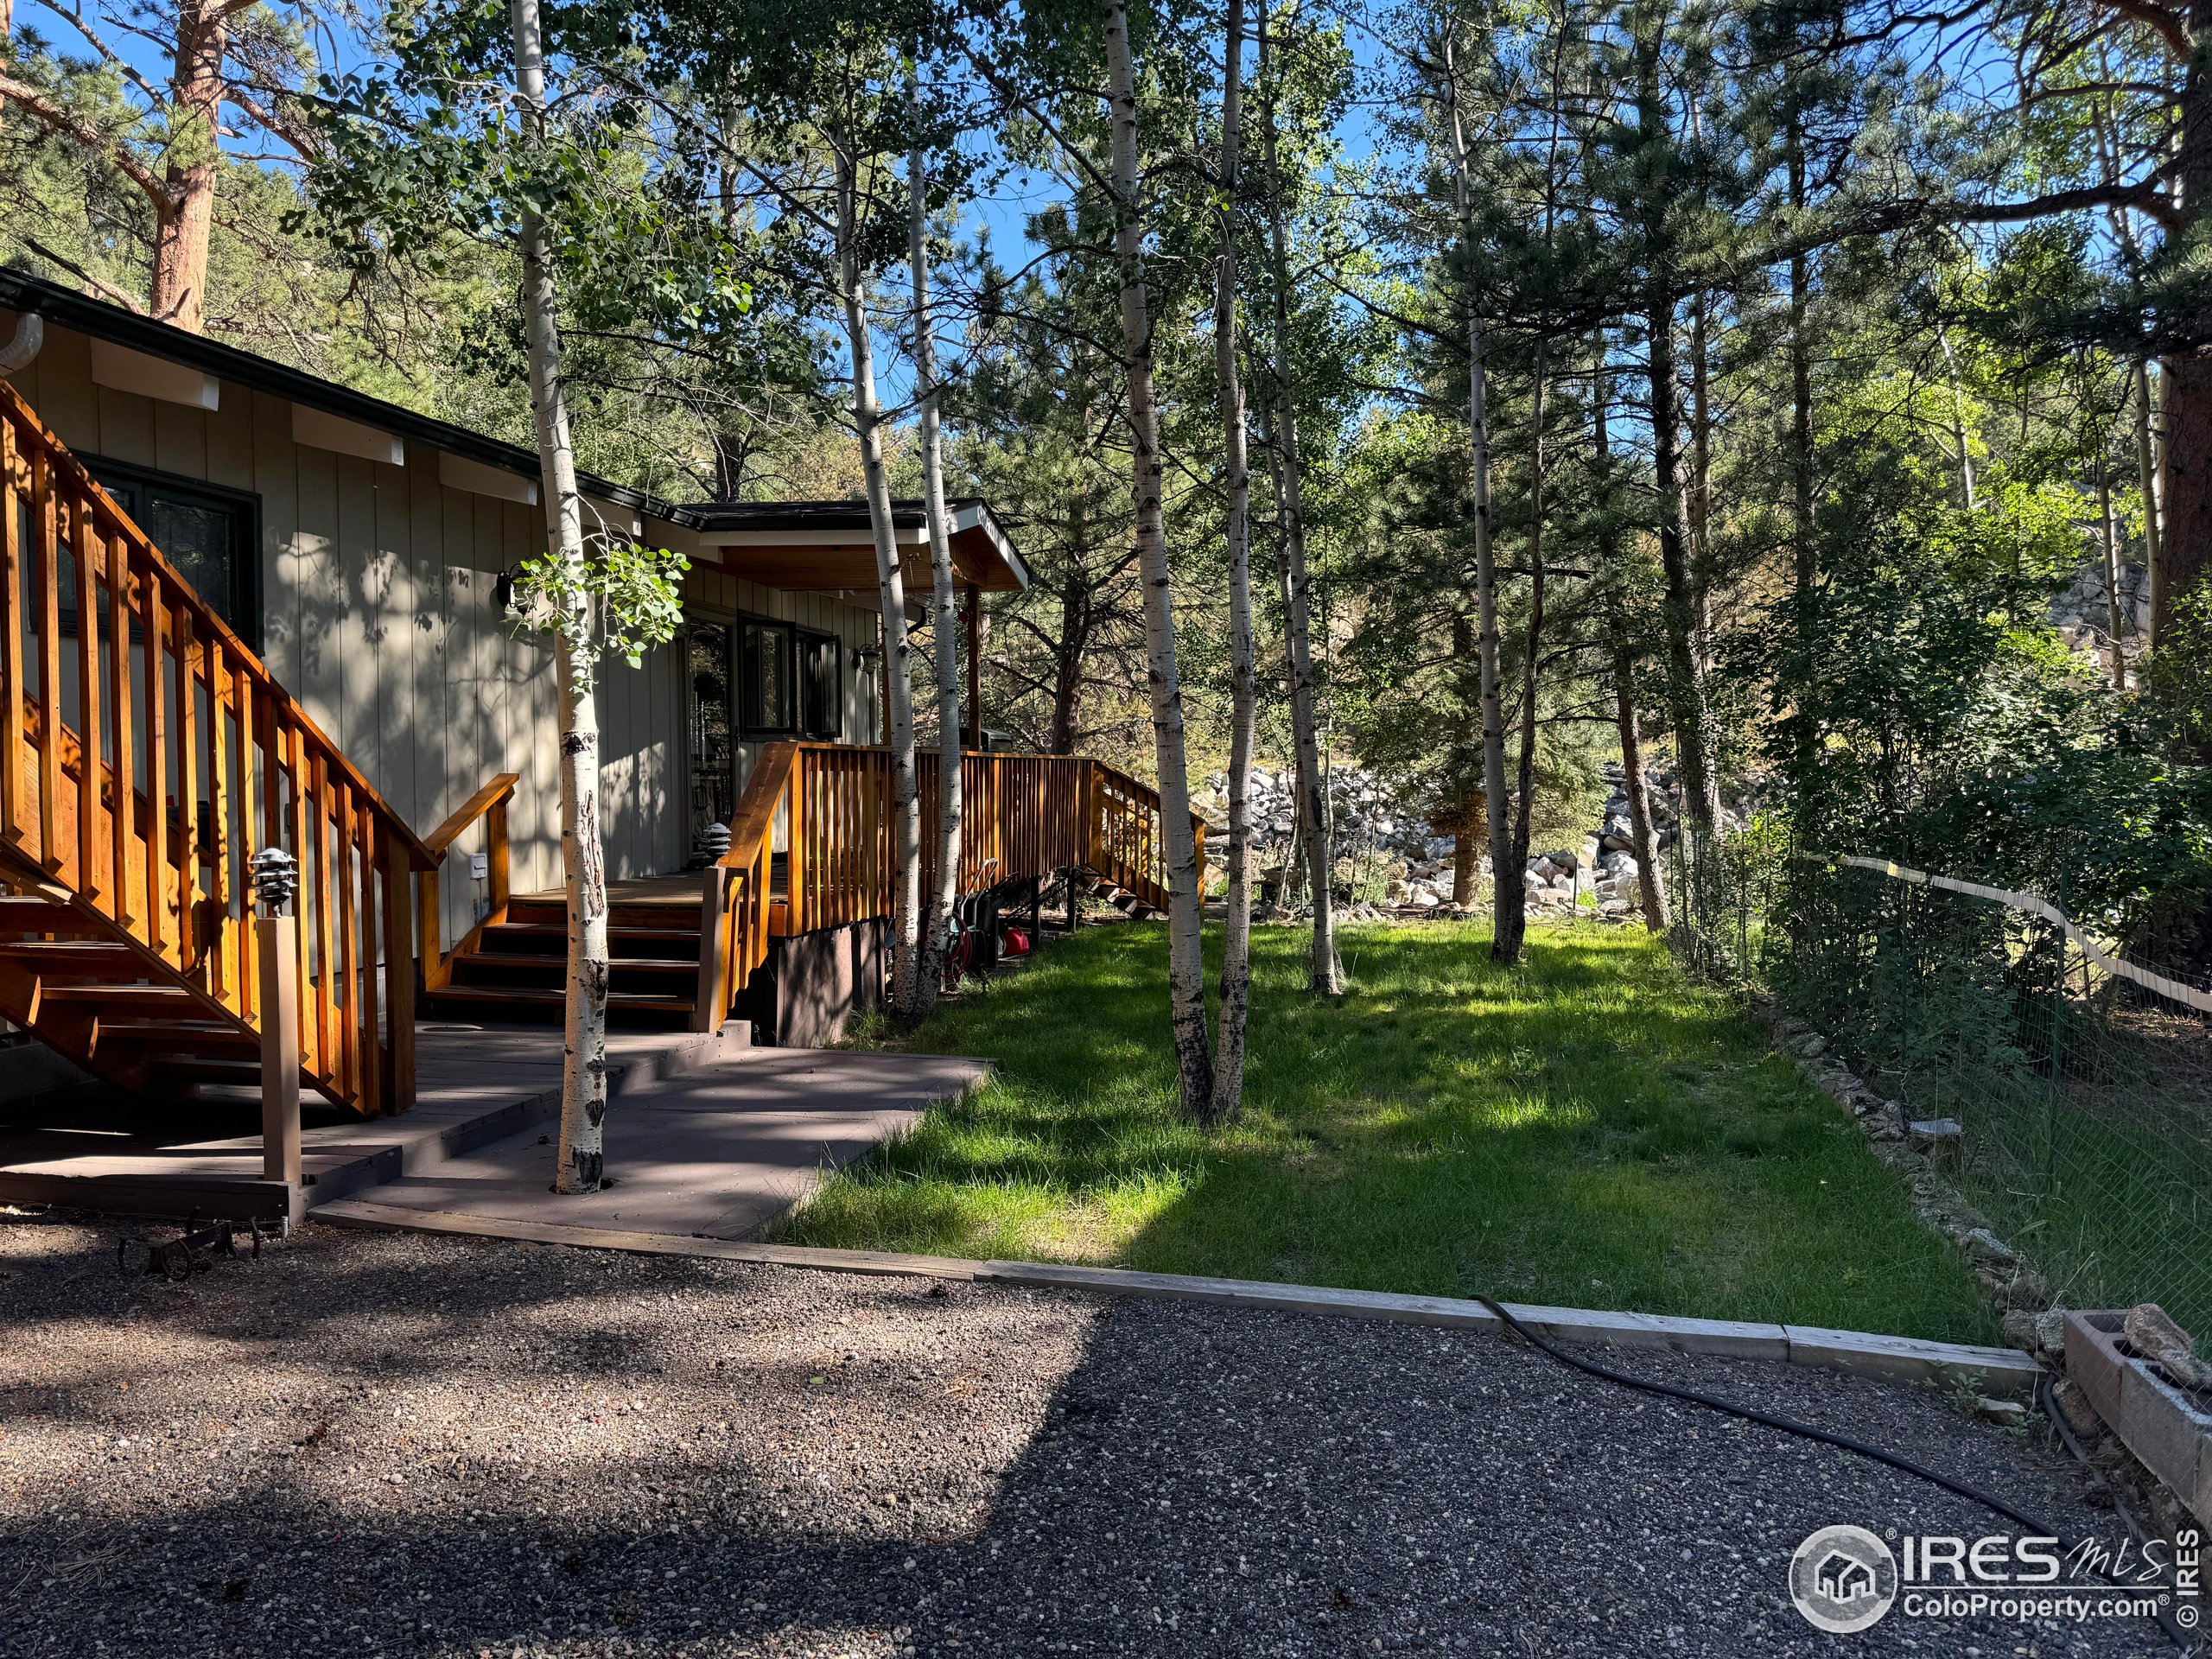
(2170, 1435)
(2168, 1431)
(2001, 1372)
(2094, 1363)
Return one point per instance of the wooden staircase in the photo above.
(516, 969)
(811, 848)
(146, 756)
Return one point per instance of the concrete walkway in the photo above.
(719, 1152)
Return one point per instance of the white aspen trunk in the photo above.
(1236, 929)
(898, 684)
(1966, 491)
(943, 605)
(2146, 467)
(1327, 971)
(580, 1164)
(1186, 987)
(2112, 609)
(1502, 869)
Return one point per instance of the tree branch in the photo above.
(107, 289)
(55, 119)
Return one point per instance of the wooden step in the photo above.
(21, 914)
(58, 959)
(679, 914)
(511, 936)
(236, 1071)
(523, 996)
(145, 999)
(530, 959)
(146, 1043)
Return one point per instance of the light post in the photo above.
(276, 881)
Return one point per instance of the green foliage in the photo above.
(622, 598)
(1957, 733)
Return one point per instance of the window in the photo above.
(818, 686)
(766, 675)
(208, 535)
(714, 779)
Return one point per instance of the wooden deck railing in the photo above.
(828, 809)
(146, 754)
(489, 803)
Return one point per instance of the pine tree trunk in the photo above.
(1805, 562)
(580, 1165)
(1465, 856)
(1186, 967)
(1237, 931)
(943, 605)
(184, 223)
(1067, 663)
(1685, 676)
(1510, 927)
(898, 682)
(1643, 843)
(1326, 970)
(1508, 886)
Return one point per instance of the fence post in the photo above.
(714, 950)
(2057, 1050)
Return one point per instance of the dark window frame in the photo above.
(244, 508)
(749, 684)
(802, 639)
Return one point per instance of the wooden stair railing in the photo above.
(146, 754)
(831, 806)
(489, 803)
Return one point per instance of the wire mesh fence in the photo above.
(2081, 1079)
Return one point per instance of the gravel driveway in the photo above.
(373, 1444)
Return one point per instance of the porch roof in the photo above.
(828, 546)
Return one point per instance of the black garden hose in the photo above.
(1805, 1431)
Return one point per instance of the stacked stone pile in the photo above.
(1375, 816)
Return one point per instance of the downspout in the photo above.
(24, 345)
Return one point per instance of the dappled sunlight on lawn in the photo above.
(1588, 1128)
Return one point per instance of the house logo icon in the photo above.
(1843, 1579)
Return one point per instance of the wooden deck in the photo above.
(478, 1085)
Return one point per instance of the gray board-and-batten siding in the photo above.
(377, 612)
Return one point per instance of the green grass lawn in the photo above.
(1591, 1129)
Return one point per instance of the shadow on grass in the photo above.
(1588, 1129)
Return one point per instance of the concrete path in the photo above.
(719, 1152)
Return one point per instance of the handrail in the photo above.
(155, 681)
(1027, 815)
(489, 803)
(214, 630)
